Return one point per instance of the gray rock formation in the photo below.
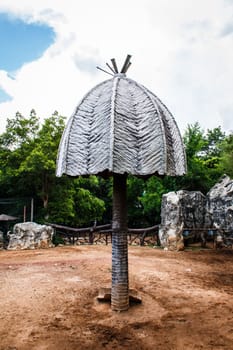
(171, 237)
(219, 209)
(179, 210)
(219, 204)
(192, 211)
(29, 235)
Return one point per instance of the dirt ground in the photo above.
(48, 300)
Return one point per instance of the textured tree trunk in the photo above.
(120, 281)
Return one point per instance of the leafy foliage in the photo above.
(28, 152)
(227, 155)
(28, 162)
(203, 151)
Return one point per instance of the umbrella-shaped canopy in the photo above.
(121, 127)
(4, 217)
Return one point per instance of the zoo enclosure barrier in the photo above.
(103, 234)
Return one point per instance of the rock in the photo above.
(219, 204)
(183, 212)
(219, 211)
(171, 237)
(29, 235)
(179, 210)
(219, 239)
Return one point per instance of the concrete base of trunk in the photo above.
(105, 296)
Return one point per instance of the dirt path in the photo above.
(48, 300)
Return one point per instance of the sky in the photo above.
(182, 50)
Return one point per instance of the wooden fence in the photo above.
(102, 234)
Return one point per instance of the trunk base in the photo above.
(105, 296)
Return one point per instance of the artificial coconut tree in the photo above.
(119, 128)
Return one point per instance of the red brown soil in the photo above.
(48, 300)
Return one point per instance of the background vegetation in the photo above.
(28, 152)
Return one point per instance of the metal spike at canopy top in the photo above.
(114, 68)
(103, 70)
(108, 65)
(126, 64)
(114, 65)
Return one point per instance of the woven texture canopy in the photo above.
(121, 127)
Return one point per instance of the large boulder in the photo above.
(171, 237)
(179, 210)
(219, 204)
(183, 212)
(29, 235)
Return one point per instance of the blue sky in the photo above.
(181, 50)
(4, 96)
(21, 43)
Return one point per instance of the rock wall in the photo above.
(219, 205)
(29, 235)
(179, 210)
(191, 209)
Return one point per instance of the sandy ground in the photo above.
(48, 300)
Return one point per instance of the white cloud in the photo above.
(182, 50)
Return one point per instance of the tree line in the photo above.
(28, 151)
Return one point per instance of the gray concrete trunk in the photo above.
(120, 280)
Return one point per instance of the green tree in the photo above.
(20, 131)
(61, 205)
(227, 156)
(135, 189)
(151, 199)
(15, 144)
(40, 162)
(28, 154)
(144, 200)
(203, 151)
(88, 207)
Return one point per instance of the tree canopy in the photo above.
(28, 152)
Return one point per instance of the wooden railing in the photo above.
(103, 234)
